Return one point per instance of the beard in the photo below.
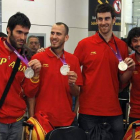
(14, 43)
(136, 50)
(58, 46)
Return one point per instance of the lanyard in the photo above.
(16, 52)
(63, 60)
(117, 54)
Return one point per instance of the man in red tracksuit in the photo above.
(13, 108)
(60, 78)
(133, 41)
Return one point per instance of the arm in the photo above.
(76, 105)
(125, 77)
(31, 106)
(31, 86)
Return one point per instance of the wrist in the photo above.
(35, 79)
(71, 84)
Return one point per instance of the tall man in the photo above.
(60, 77)
(100, 55)
(133, 40)
(13, 108)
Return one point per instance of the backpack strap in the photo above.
(11, 79)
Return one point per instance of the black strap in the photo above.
(15, 69)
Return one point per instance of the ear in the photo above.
(66, 37)
(8, 30)
(114, 20)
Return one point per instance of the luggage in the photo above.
(67, 133)
(36, 127)
(30, 127)
(133, 132)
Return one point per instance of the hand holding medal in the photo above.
(122, 66)
(34, 69)
(65, 68)
(72, 78)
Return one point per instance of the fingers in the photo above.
(36, 65)
(40, 50)
(72, 77)
(130, 63)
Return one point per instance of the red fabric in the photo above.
(14, 105)
(54, 94)
(43, 119)
(135, 90)
(99, 95)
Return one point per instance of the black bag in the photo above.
(67, 133)
(100, 132)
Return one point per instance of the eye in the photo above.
(107, 18)
(100, 19)
(58, 34)
(52, 33)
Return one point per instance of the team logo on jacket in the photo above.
(92, 53)
(45, 65)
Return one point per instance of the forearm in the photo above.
(74, 89)
(125, 77)
(31, 106)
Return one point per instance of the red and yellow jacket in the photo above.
(14, 105)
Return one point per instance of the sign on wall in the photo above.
(92, 25)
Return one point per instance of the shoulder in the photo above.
(132, 56)
(70, 56)
(40, 55)
(87, 39)
(118, 40)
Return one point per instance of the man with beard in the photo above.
(133, 40)
(60, 78)
(14, 106)
(101, 55)
(33, 43)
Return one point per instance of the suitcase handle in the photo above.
(134, 126)
(29, 125)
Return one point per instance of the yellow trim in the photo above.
(36, 77)
(20, 118)
(34, 81)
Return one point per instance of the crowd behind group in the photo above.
(48, 79)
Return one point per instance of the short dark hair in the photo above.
(66, 27)
(32, 36)
(134, 32)
(18, 19)
(2, 34)
(103, 8)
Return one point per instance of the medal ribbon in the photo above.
(24, 59)
(63, 60)
(117, 54)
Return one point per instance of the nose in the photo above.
(103, 21)
(54, 35)
(23, 36)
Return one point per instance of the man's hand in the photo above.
(130, 63)
(72, 77)
(36, 66)
(40, 50)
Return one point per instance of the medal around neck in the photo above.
(29, 73)
(64, 69)
(122, 66)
